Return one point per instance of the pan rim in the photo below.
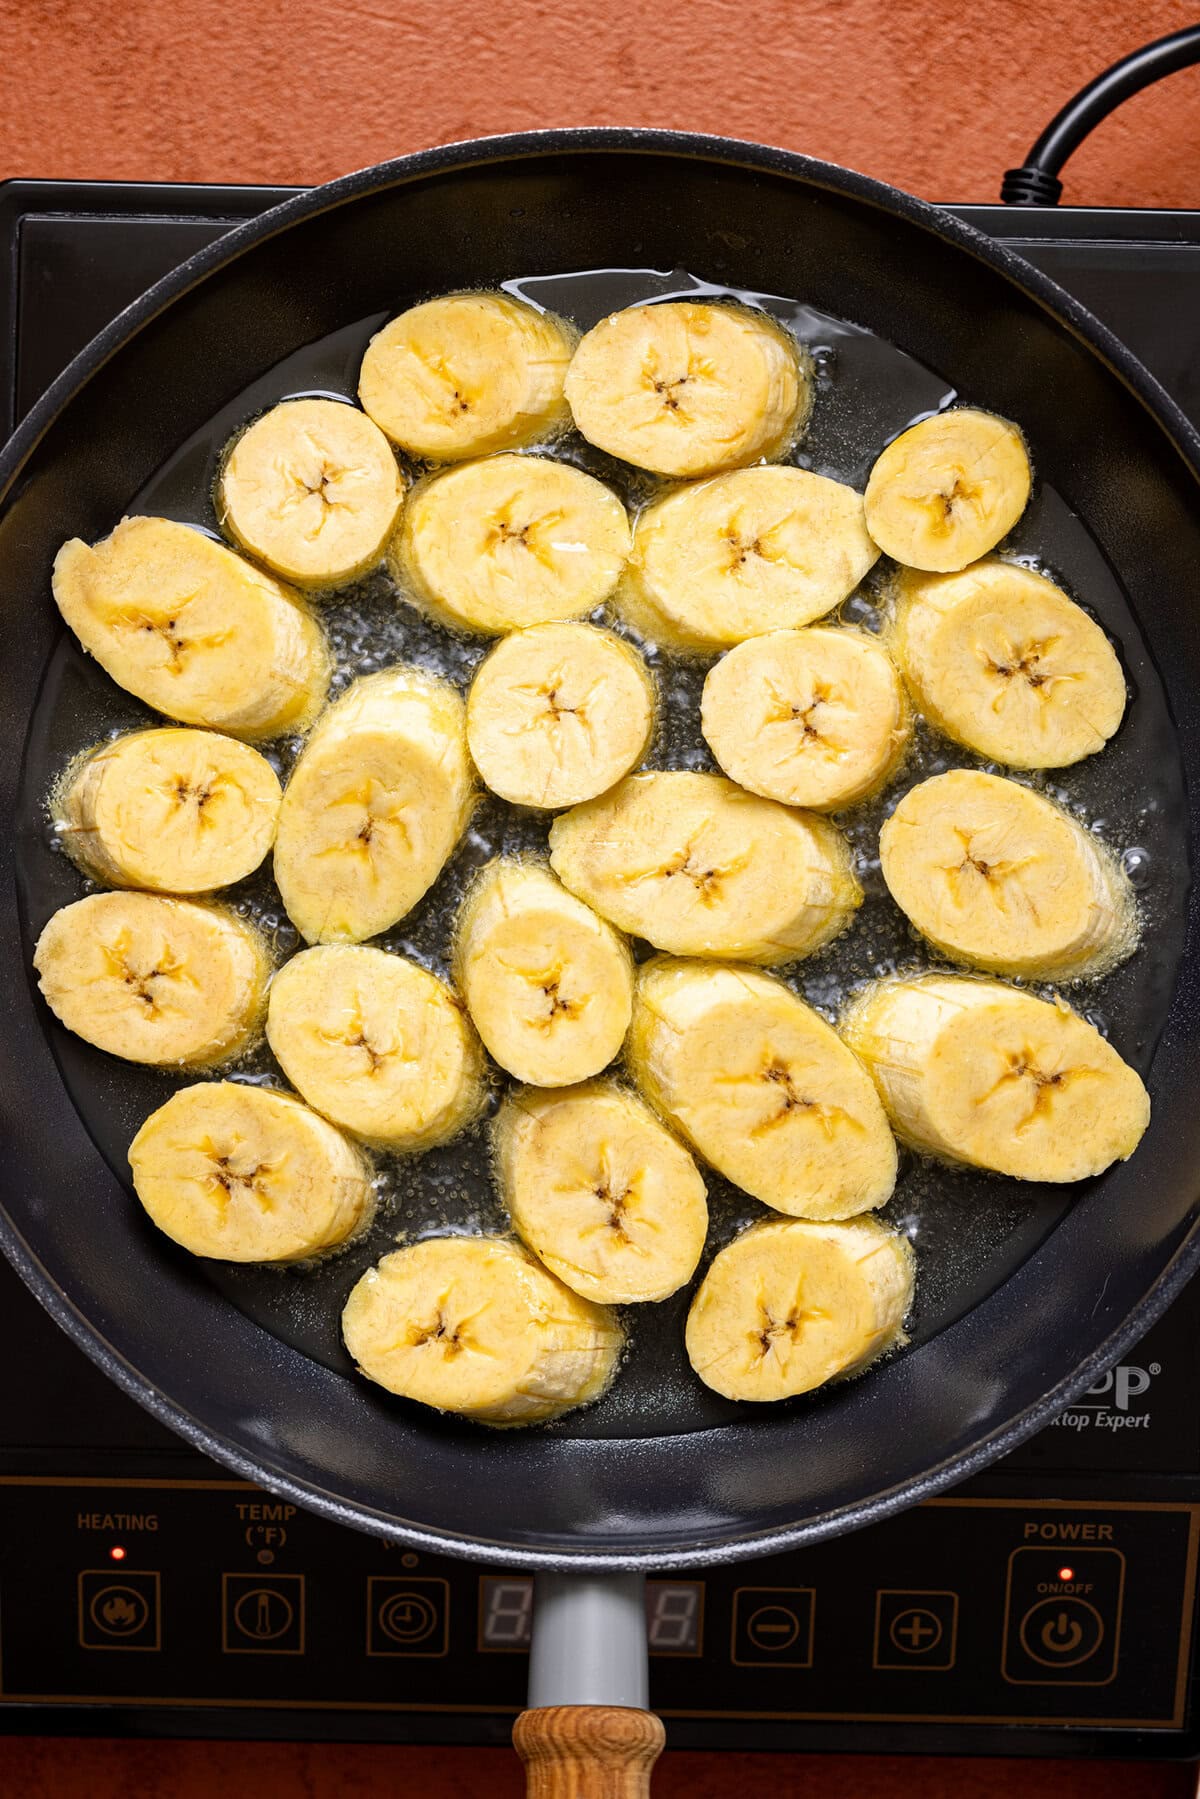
(582, 140)
(1179, 431)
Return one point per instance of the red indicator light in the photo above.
(1066, 1574)
(116, 1553)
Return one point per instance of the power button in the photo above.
(1063, 1616)
(1062, 1633)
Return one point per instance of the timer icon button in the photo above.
(407, 1616)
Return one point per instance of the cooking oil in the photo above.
(970, 1230)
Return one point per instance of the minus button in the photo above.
(773, 1627)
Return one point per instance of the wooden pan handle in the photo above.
(588, 1751)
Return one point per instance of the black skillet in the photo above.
(1051, 1287)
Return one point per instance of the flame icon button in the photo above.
(118, 1614)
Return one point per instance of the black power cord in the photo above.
(1036, 182)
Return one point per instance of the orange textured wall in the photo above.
(937, 97)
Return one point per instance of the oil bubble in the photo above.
(1136, 863)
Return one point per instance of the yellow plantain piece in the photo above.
(687, 387)
(789, 1305)
(948, 489)
(474, 1325)
(696, 866)
(813, 718)
(1000, 878)
(466, 375)
(377, 1045)
(601, 1192)
(243, 1174)
(548, 984)
(759, 550)
(761, 1087)
(1001, 661)
(172, 810)
(558, 714)
(312, 489)
(194, 630)
(513, 541)
(151, 979)
(978, 1072)
(375, 806)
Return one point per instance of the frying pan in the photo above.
(1053, 1289)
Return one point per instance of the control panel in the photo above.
(212, 1594)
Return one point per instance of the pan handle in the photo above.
(588, 1751)
(587, 1733)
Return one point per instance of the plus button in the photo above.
(915, 1627)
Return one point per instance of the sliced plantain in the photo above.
(377, 1045)
(467, 374)
(474, 1325)
(557, 714)
(813, 718)
(698, 867)
(601, 1192)
(999, 877)
(687, 388)
(755, 551)
(1003, 662)
(788, 1306)
(509, 542)
(548, 984)
(948, 489)
(243, 1174)
(762, 1087)
(978, 1072)
(173, 810)
(193, 630)
(152, 979)
(374, 807)
(312, 489)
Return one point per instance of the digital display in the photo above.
(674, 1616)
(505, 1611)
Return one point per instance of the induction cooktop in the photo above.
(1047, 1607)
